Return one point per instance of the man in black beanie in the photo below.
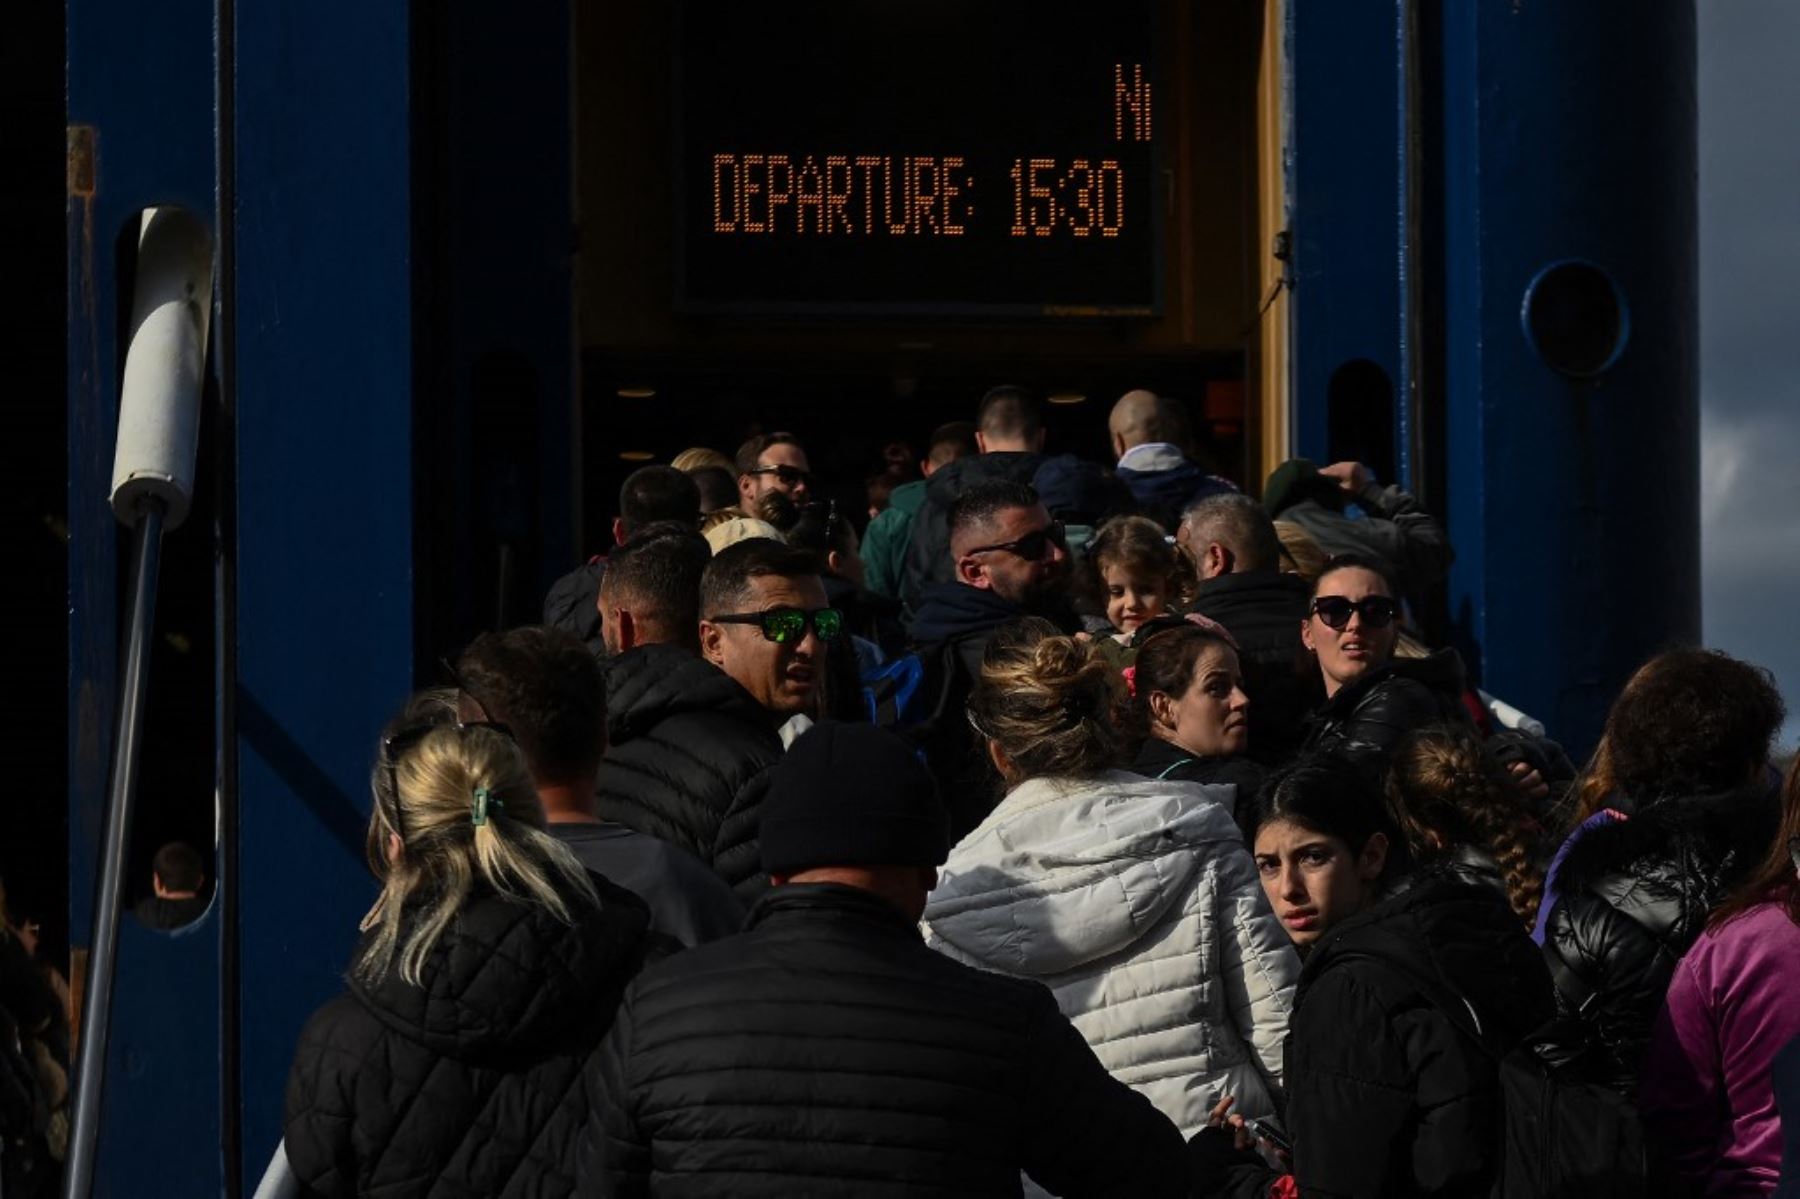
(825, 1050)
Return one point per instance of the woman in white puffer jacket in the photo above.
(1132, 899)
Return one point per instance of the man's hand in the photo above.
(1351, 476)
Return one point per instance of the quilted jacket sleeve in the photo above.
(320, 1117)
(1257, 961)
(1086, 1133)
(615, 1152)
(736, 855)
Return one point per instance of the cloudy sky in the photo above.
(1750, 334)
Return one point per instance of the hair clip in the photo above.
(485, 801)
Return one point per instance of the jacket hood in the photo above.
(1450, 931)
(1171, 483)
(1722, 834)
(649, 684)
(1011, 466)
(508, 977)
(948, 610)
(1066, 871)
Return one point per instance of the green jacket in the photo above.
(884, 543)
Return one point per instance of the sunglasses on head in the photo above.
(790, 475)
(1034, 546)
(786, 625)
(399, 743)
(1377, 611)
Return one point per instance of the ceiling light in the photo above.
(637, 393)
(636, 455)
(1067, 397)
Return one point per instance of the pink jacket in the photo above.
(1706, 1098)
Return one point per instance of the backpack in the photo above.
(1561, 1135)
(1565, 1134)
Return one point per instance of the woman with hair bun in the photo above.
(1132, 899)
(486, 977)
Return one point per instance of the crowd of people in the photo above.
(1051, 827)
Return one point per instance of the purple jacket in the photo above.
(1706, 1097)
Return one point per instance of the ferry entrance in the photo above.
(850, 223)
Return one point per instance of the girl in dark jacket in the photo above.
(1188, 701)
(488, 973)
(1372, 700)
(1389, 1091)
(1686, 746)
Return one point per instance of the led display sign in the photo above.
(982, 157)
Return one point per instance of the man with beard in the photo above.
(1011, 561)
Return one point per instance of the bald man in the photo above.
(1151, 439)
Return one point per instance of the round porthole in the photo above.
(1575, 318)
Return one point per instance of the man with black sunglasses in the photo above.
(1012, 560)
(772, 462)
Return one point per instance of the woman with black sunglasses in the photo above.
(1372, 699)
(487, 976)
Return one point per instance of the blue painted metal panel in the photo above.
(1574, 503)
(140, 96)
(324, 346)
(1343, 200)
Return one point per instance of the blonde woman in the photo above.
(486, 977)
(1133, 899)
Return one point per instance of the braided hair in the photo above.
(1446, 791)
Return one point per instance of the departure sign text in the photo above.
(910, 156)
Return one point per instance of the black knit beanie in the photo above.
(852, 795)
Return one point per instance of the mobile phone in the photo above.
(1268, 1130)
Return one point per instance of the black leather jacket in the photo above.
(1633, 896)
(1365, 721)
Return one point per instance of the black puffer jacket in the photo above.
(1633, 896)
(1365, 721)
(572, 603)
(472, 1083)
(1263, 612)
(687, 760)
(826, 1051)
(1388, 1093)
